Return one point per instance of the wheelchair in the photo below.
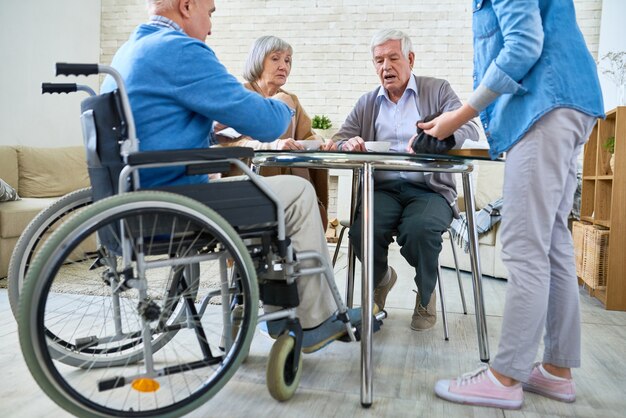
(158, 318)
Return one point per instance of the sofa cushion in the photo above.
(489, 182)
(489, 237)
(51, 172)
(8, 166)
(15, 216)
(6, 249)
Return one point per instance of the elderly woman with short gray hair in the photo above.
(266, 71)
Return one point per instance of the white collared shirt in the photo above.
(396, 123)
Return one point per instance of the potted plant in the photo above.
(615, 70)
(322, 126)
(609, 146)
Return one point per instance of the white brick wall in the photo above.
(332, 65)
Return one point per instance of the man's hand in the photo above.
(409, 148)
(288, 144)
(356, 144)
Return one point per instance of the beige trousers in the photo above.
(304, 228)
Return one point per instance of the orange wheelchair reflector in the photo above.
(145, 385)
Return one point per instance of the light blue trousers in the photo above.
(537, 249)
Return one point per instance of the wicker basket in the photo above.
(595, 257)
(578, 234)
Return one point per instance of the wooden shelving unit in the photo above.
(603, 201)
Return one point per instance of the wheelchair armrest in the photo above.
(182, 156)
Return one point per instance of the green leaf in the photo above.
(321, 122)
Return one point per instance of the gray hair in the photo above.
(261, 48)
(385, 35)
(159, 5)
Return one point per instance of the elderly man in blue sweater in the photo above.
(177, 89)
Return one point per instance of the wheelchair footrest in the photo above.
(377, 323)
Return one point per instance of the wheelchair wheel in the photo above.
(161, 276)
(282, 382)
(33, 236)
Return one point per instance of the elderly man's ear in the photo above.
(411, 59)
(183, 7)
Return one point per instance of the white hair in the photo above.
(261, 48)
(385, 35)
(157, 5)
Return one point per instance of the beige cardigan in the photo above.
(300, 126)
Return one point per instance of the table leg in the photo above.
(356, 181)
(481, 322)
(367, 330)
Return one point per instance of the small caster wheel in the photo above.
(282, 381)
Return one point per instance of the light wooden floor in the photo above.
(406, 366)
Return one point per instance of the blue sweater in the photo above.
(177, 87)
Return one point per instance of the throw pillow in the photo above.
(7, 193)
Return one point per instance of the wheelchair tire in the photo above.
(281, 381)
(33, 236)
(189, 366)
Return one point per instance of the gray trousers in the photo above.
(304, 227)
(537, 249)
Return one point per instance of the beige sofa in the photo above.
(487, 179)
(39, 175)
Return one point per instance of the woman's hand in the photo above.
(329, 145)
(356, 144)
(447, 123)
(218, 126)
(288, 144)
(442, 126)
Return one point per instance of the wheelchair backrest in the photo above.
(104, 133)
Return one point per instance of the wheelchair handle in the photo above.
(67, 88)
(58, 88)
(64, 68)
